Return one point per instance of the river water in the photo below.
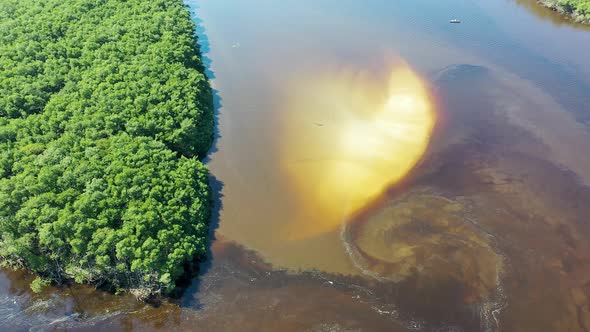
(379, 169)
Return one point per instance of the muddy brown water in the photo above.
(487, 231)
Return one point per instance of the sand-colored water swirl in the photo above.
(428, 246)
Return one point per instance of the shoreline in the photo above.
(574, 11)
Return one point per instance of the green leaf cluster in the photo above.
(104, 112)
(581, 7)
(578, 9)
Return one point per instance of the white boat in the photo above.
(454, 21)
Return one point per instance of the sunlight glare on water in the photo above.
(349, 138)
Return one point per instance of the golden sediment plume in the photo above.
(350, 136)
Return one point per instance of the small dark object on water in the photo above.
(454, 21)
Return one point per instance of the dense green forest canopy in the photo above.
(104, 112)
(578, 9)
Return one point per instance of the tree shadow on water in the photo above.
(203, 44)
(190, 287)
(204, 48)
(217, 105)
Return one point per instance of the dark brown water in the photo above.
(485, 226)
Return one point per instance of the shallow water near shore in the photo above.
(485, 229)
